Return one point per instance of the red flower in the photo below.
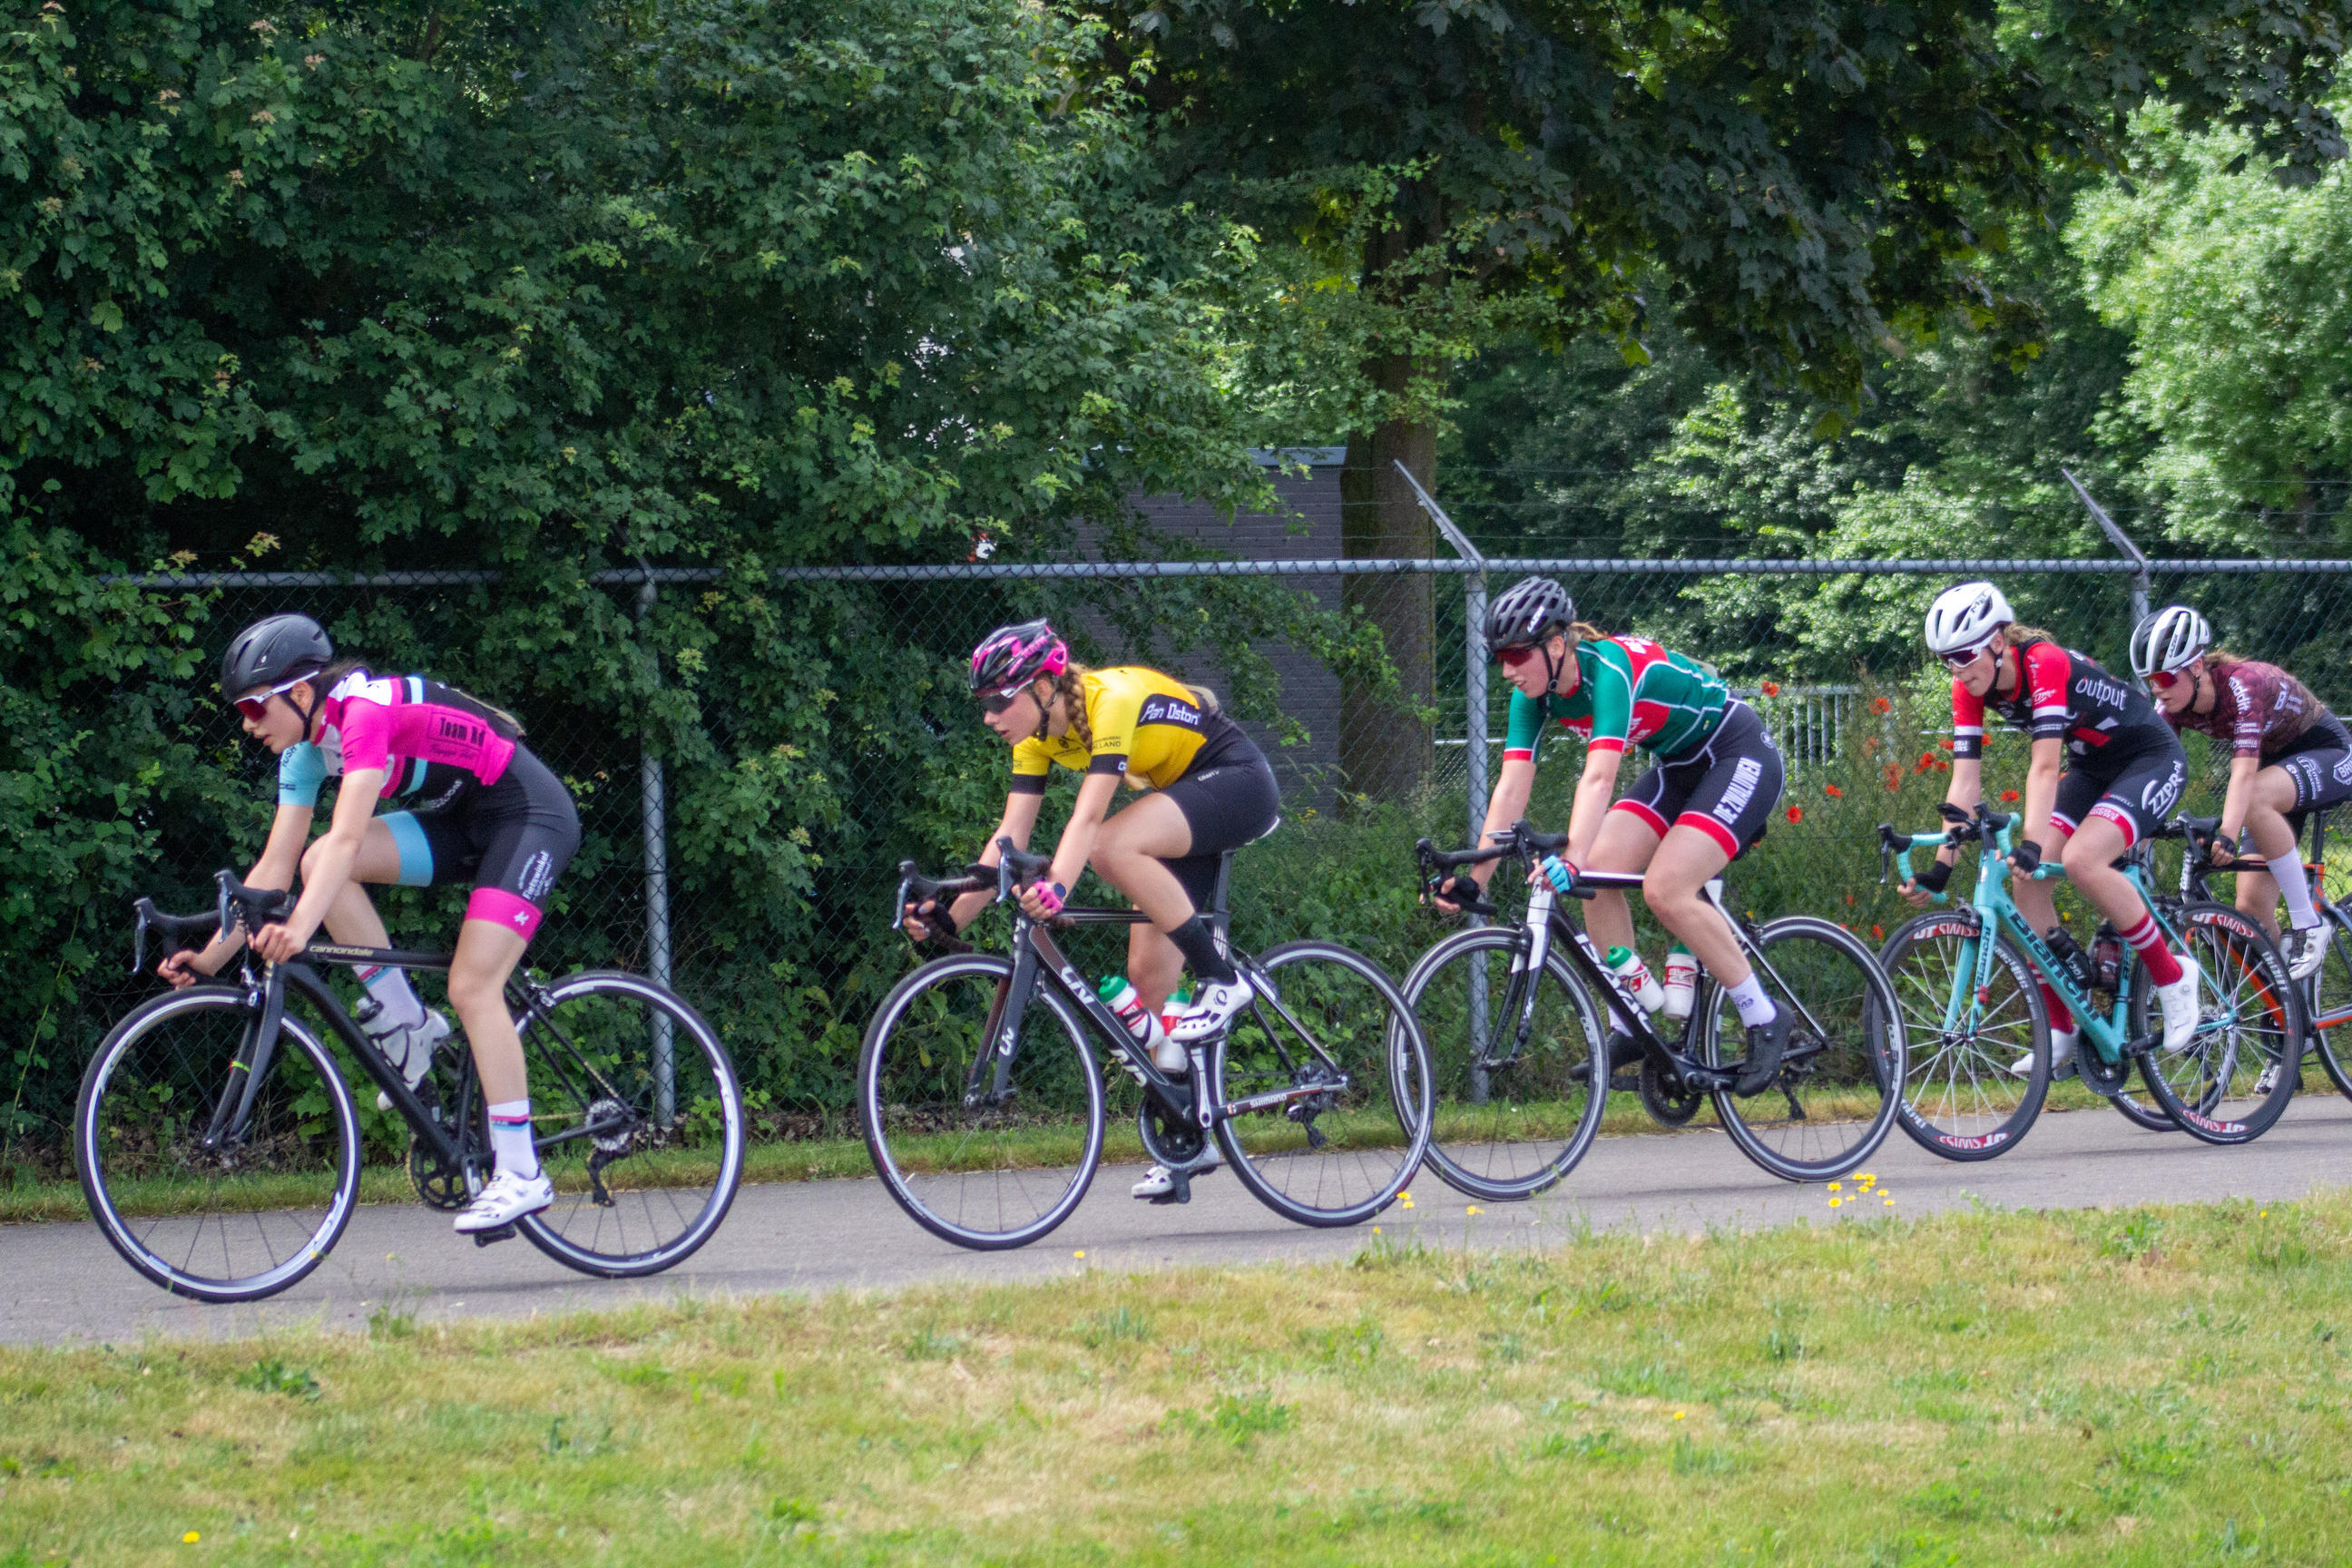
(1870, 742)
(1893, 776)
(1771, 690)
(1849, 898)
(1796, 813)
(2007, 796)
(1833, 791)
(1946, 744)
(1878, 933)
(1925, 762)
(1881, 705)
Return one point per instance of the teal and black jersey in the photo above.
(1629, 692)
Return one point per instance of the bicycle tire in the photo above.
(275, 1203)
(939, 1158)
(1962, 1100)
(1356, 1147)
(1530, 1116)
(1856, 1064)
(610, 1024)
(2330, 990)
(2252, 1014)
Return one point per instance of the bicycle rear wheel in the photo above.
(1511, 1116)
(638, 1117)
(2251, 1019)
(2328, 1002)
(1335, 1023)
(1005, 1170)
(1963, 1098)
(1840, 1080)
(231, 1220)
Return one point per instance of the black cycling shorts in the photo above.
(2136, 792)
(1725, 787)
(1226, 806)
(2320, 762)
(511, 841)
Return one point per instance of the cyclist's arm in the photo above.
(1966, 789)
(331, 865)
(1596, 790)
(2040, 790)
(1506, 805)
(1095, 793)
(280, 857)
(2239, 798)
(1020, 818)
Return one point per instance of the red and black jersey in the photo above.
(2063, 695)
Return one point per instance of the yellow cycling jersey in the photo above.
(1146, 726)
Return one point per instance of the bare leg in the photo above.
(1684, 865)
(1129, 854)
(487, 954)
(352, 918)
(1625, 843)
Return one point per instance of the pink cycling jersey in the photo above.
(409, 726)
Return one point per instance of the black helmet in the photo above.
(1016, 654)
(273, 649)
(1527, 613)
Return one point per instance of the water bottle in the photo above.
(2106, 959)
(1633, 978)
(2070, 956)
(1143, 1026)
(1682, 982)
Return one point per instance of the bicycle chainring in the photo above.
(1671, 1106)
(1169, 1142)
(2099, 1075)
(441, 1184)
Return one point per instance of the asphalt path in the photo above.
(62, 1282)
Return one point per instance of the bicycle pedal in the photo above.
(1180, 1192)
(485, 1238)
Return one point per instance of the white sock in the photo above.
(2294, 887)
(510, 1138)
(389, 986)
(1755, 1007)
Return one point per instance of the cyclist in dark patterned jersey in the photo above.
(482, 809)
(2124, 769)
(2289, 756)
(1715, 777)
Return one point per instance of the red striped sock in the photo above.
(2148, 942)
(2060, 1020)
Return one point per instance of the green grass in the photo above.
(2152, 1386)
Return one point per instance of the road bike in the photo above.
(985, 1105)
(2327, 999)
(220, 1149)
(1515, 1018)
(1976, 1010)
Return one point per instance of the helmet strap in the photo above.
(1044, 705)
(1552, 668)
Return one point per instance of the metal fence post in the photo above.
(2116, 536)
(654, 807)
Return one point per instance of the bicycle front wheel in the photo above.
(1840, 1080)
(1340, 1070)
(995, 1167)
(199, 1201)
(1512, 1057)
(638, 1117)
(1964, 1096)
(2234, 1078)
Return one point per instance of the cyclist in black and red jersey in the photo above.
(479, 808)
(2289, 756)
(2124, 769)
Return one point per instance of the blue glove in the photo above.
(1558, 872)
(301, 769)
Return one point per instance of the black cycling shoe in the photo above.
(1624, 1051)
(1766, 1042)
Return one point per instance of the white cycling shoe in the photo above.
(2304, 948)
(1159, 1181)
(410, 1048)
(506, 1199)
(1213, 1009)
(2061, 1056)
(2180, 1009)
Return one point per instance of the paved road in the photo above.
(62, 1282)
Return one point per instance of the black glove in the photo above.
(1934, 877)
(2026, 859)
(1459, 890)
(939, 918)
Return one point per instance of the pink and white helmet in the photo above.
(1012, 657)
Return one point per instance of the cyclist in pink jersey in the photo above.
(2289, 756)
(479, 806)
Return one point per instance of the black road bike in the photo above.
(220, 1149)
(1517, 1015)
(985, 1107)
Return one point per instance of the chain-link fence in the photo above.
(678, 869)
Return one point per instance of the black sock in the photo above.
(1193, 940)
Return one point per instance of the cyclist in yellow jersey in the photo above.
(1211, 789)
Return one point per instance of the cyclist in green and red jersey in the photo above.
(1716, 775)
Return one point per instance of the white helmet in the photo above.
(2173, 638)
(1964, 618)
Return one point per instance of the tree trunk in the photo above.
(1386, 753)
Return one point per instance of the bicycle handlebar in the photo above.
(1519, 841)
(235, 904)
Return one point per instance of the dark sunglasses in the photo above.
(1512, 657)
(998, 702)
(254, 708)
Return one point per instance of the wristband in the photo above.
(2026, 859)
(1937, 875)
(1559, 872)
(1052, 895)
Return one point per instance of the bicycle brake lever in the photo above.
(139, 936)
